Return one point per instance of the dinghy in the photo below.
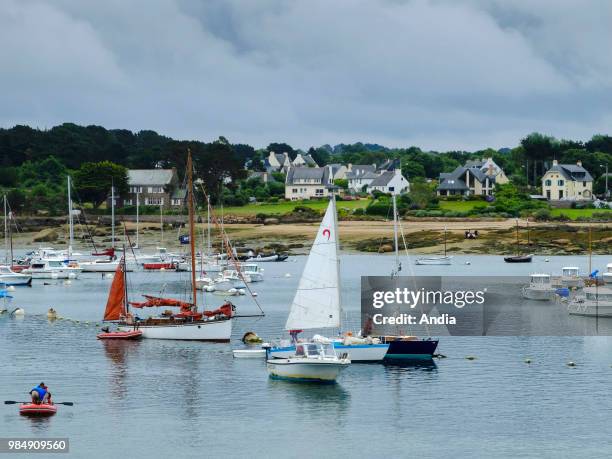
(249, 353)
(124, 335)
(33, 409)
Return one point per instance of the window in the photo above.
(127, 202)
(560, 182)
(135, 189)
(392, 189)
(177, 201)
(560, 194)
(584, 184)
(319, 192)
(548, 182)
(294, 190)
(154, 201)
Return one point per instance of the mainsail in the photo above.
(317, 300)
(115, 305)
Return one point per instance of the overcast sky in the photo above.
(440, 74)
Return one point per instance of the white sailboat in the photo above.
(444, 260)
(317, 302)
(7, 275)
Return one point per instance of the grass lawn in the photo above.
(286, 207)
(575, 213)
(460, 206)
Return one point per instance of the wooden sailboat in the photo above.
(518, 258)
(444, 260)
(188, 323)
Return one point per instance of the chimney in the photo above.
(579, 163)
(555, 162)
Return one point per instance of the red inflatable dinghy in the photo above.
(32, 409)
(132, 334)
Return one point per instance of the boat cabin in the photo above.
(599, 294)
(250, 268)
(540, 279)
(315, 350)
(570, 271)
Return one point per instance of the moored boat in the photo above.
(312, 362)
(539, 288)
(123, 335)
(9, 277)
(594, 301)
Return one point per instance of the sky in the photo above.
(439, 74)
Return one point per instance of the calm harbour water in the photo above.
(188, 399)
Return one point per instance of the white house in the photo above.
(391, 182)
(304, 161)
(277, 162)
(308, 182)
(567, 182)
(360, 176)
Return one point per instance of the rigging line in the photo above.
(230, 253)
(81, 208)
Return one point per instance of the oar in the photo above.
(13, 402)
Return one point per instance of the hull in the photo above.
(518, 259)
(32, 409)
(228, 284)
(607, 278)
(539, 294)
(296, 370)
(591, 310)
(59, 274)
(411, 350)
(264, 259)
(158, 266)
(17, 279)
(217, 330)
(434, 261)
(356, 352)
(249, 353)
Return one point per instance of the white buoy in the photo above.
(468, 262)
(288, 275)
(242, 291)
(109, 275)
(11, 288)
(232, 291)
(19, 312)
(67, 282)
(254, 294)
(546, 260)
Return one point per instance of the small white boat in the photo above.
(539, 288)
(231, 279)
(312, 362)
(249, 353)
(103, 266)
(252, 271)
(434, 260)
(205, 283)
(9, 277)
(594, 301)
(53, 269)
(261, 258)
(607, 276)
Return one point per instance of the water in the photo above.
(184, 399)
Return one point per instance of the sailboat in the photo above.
(189, 323)
(405, 347)
(7, 275)
(518, 258)
(445, 260)
(317, 302)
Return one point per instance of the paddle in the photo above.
(13, 402)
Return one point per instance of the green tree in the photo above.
(93, 181)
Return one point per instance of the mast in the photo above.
(445, 241)
(137, 217)
(161, 223)
(518, 250)
(5, 234)
(337, 238)
(208, 240)
(191, 228)
(113, 214)
(590, 250)
(528, 235)
(70, 221)
(397, 263)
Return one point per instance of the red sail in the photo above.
(106, 253)
(115, 305)
(153, 301)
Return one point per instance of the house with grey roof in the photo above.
(308, 182)
(338, 170)
(277, 162)
(390, 182)
(304, 160)
(567, 182)
(476, 177)
(359, 176)
(153, 187)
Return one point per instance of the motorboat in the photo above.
(9, 277)
(53, 269)
(312, 362)
(540, 288)
(593, 301)
(447, 260)
(231, 279)
(252, 271)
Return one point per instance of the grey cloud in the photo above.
(438, 73)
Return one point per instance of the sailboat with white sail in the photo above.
(318, 304)
(7, 275)
(443, 260)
